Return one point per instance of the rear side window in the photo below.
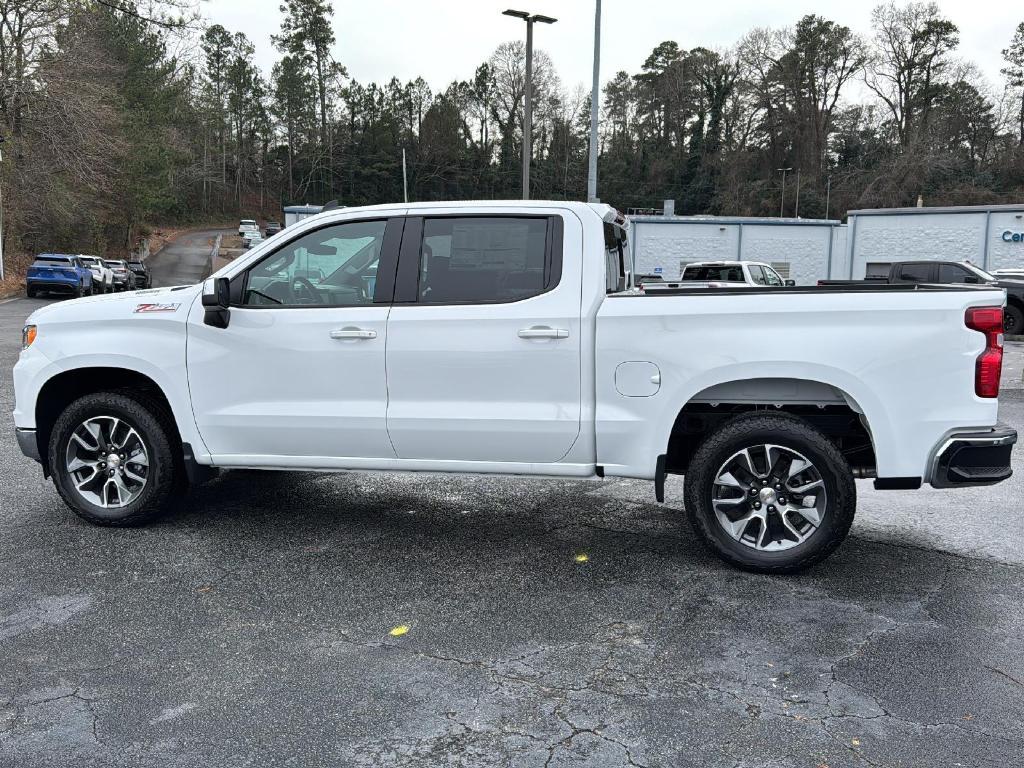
(487, 259)
(730, 274)
(915, 273)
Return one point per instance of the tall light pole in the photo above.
(782, 203)
(528, 105)
(595, 97)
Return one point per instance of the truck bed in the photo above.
(831, 286)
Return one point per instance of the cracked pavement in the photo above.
(251, 628)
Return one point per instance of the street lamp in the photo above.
(528, 105)
(782, 203)
(595, 97)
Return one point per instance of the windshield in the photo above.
(732, 273)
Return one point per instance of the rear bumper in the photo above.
(53, 285)
(28, 444)
(978, 457)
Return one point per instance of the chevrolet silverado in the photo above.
(506, 337)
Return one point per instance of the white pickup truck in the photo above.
(506, 338)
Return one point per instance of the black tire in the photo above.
(31, 292)
(1013, 320)
(79, 291)
(166, 479)
(783, 429)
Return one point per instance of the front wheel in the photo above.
(114, 461)
(769, 493)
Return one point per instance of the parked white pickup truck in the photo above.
(506, 338)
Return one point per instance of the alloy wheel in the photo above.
(769, 497)
(107, 462)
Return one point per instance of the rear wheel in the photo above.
(1013, 320)
(31, 292)
(769, 493)
(114, 459)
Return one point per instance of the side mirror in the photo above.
(217, 301)
(790, 283)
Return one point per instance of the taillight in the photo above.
(989, 367)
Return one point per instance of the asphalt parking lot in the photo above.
(252, 627)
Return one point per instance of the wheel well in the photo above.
(64, 388)
(839, 422)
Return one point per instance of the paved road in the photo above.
(252, 628)
(186, 260)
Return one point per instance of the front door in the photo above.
(299, 373)
(483, 352)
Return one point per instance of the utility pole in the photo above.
(528, 105)
(1, 212)
(405, 178)
(595, 97)
(796, 213)
(828, 193)
(782, 202)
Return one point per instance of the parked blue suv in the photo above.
(59, 273)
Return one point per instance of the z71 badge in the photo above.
(146, 308)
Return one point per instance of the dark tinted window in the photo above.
(731, 274)
(59, 260)
(916, 273)
(484, 259)
(954, 273)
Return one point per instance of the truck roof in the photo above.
(604, 211)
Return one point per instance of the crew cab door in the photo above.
(298, 374)
(483, 352)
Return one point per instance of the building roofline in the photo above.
(1002, 208)
(759, 221)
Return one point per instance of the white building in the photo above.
(807, 250)
(801, 249)
(296, 213)
(990, 236)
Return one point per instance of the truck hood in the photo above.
(165, 302)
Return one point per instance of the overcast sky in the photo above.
(445, 40)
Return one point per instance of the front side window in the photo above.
(332, 267)
(484, 259)
(771, 277)
(757, 275)
(954, 273)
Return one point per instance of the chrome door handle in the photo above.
(543, 332)
(353, 333)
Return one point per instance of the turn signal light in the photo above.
(28, 335)
(989, 367)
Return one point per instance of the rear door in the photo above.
(483, 354)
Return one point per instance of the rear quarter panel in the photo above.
(905, 360)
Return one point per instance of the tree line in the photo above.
(118, 114)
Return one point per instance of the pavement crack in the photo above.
(1005, 674)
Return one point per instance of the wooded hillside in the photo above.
(117, 114)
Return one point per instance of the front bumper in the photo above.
(28, 444)
(978, 457)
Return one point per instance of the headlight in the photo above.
(28, 335)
